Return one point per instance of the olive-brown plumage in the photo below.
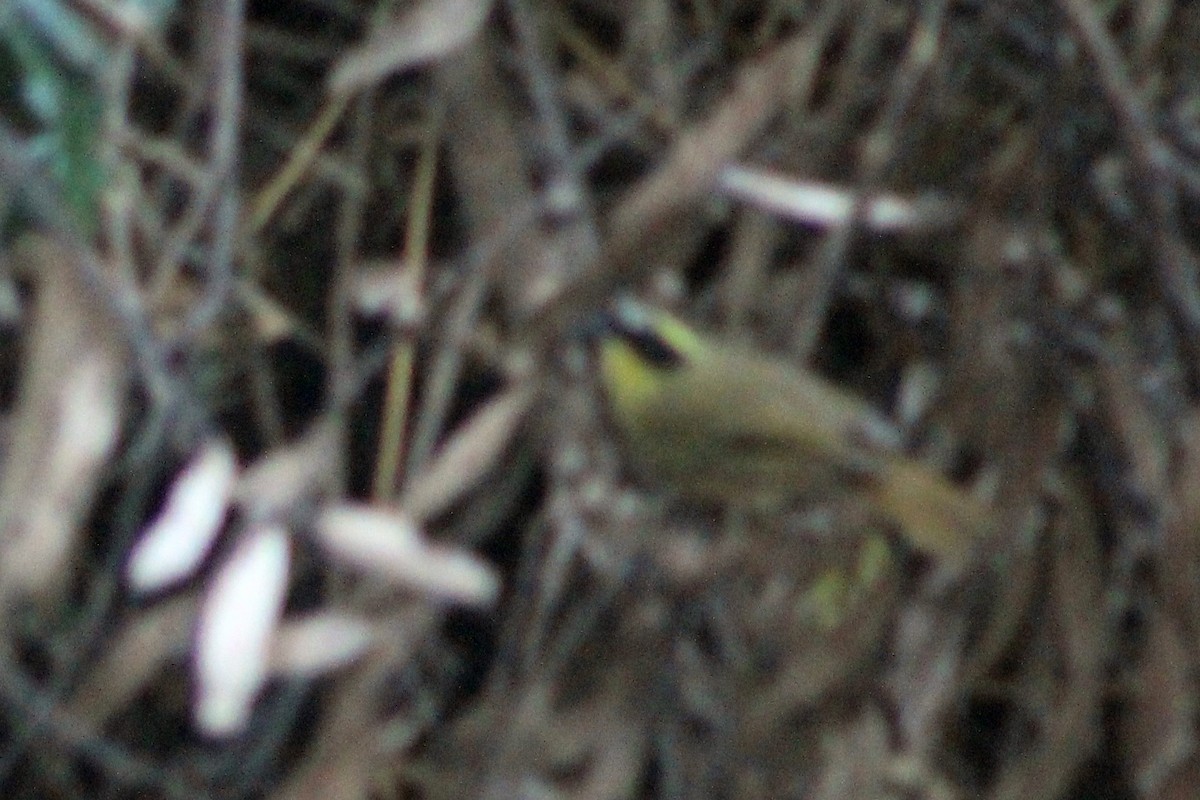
(719, 423)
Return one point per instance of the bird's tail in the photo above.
(937, 517)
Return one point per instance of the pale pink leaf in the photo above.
(183, 532)
(238, 618)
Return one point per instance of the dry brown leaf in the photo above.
(65, 425)
(320, 642)
(275, 484)
(1159, 733)
(425, 32)
(388, 544)
(472, 451)
(856, 759)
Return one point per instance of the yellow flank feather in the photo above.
(721, 424)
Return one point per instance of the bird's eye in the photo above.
(653, 348)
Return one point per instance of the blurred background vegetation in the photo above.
(358, 241)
